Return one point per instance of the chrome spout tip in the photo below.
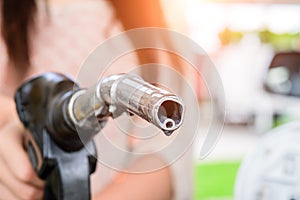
(169, 114)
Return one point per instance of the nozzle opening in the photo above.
(170, 114)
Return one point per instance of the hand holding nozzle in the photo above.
(53, 108)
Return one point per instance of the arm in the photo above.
(147, 13)
(155, 185)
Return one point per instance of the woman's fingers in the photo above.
(6, 194)
(15, 157)
(16, 187)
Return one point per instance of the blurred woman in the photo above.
(58, 36)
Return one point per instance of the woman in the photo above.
(39, 38)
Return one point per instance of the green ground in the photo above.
(215, 181)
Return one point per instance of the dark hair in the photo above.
(17, 26)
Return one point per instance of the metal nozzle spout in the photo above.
(159, 107)
(124, 92)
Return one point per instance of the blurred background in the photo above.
(255, 47)
(242, 37)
